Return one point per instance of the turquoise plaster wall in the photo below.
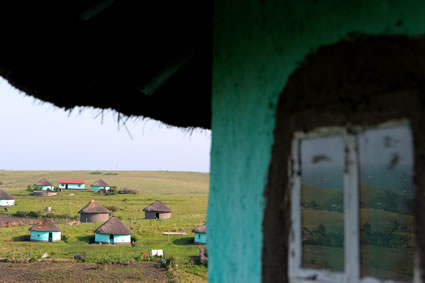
(96, 188)
(72, 186)
(257, 44)
(44, 236)
(44, 188)
(104, 238)
(200, 238)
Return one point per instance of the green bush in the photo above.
(33, 214)
(19, 214)
(112, 208)
(29, 188)
(95, 173)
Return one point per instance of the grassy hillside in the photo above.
(149, 182)
(184, 192)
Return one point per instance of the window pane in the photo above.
(387, 232)
(322, 202)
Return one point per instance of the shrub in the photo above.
(65, 238)
(20, 214)
(128, 191)
(110, 173)
(101, 262)
(29, 188)
(34, 214)
(112, 208)
(95, 173)
(31, 214)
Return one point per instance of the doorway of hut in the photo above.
(50, 237)
(111, 239)
(157, 215)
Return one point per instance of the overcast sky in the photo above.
(35, 135)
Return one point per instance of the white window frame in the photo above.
(351, 273)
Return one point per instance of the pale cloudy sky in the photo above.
(39, 136)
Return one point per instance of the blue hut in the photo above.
(6, 199)
(113, 231)
(45, 231)
(100, 185)
(200, 234)
(72, 185)
(43, 185)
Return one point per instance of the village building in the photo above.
(72, 185)
(43, 185)
(157, 210)
(114, 232)
(6, 199)
(273, 80)
(100, 185)
(94, 212)
(45, 231)
(200, 234)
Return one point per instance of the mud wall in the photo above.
(94, 217)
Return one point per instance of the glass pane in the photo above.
(387, 231)
(322, 202)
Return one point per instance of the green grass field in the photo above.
(185, 193)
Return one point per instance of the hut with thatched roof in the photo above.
(100, 185)
(113, 231)
(200, 234)
(157, 210)
(94, 212)
(43, 185)
(6, 199)
(45, 231)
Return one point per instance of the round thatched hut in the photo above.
(157, 210)
(6, 199)
(43, 185)
(94, 212)
(100, 185)
(45, 231)
(200, 234)
(113, 231)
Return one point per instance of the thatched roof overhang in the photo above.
(45, 225)
(140, 58)
(157, 206)
(100, 183)
(114, 227)
(200, 229)
(6, 196)
(94, 207)
(43, 182)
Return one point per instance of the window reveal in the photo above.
(352, 202)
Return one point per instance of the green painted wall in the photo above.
(257, 44)
(96, 188)
(118, 239)
(200, 238)
(44, 236)
(43, 188)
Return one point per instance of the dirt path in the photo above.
(80, 272)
